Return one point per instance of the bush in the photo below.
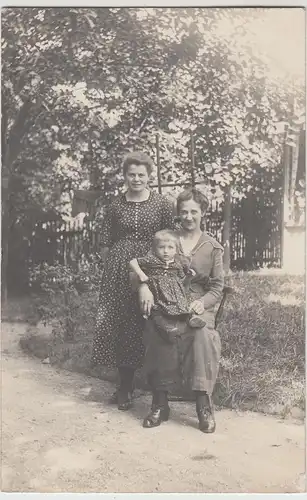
(66, 298)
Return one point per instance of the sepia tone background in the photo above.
(217, 98)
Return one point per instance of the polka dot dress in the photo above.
(128, 231)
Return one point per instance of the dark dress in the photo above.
(128, 231)
(166, 283)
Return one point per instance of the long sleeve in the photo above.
(216, 283)
(106, 230)
(168, 221)
(144, 262)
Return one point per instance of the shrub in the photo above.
(66, 297)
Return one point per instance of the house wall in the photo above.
(294, 241)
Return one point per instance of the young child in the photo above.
(167, 277)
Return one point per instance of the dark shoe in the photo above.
(124, 393)
(197, 321)
(113, 399)
(206, 420)
(124, 401)
(156, 417)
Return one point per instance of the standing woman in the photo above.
(193, 359)
(130, 223)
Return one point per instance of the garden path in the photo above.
(60, 435)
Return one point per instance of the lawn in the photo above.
(263, 339)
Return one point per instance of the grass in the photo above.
(263, 344)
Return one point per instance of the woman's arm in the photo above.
(216, 283)
(215, 286)
(106, 234)
(168, 212)
(135, 268)
(146, 299)
(104, 254)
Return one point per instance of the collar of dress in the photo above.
(203, 240)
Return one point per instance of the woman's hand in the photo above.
(197, 307)
(146, 299)
(104, 255)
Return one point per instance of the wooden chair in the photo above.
(227, 290)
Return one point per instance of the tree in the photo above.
(50, 126)
(81, 87)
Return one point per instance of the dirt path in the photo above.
(60, 435)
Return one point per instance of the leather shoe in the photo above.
(206, 420)
(124, 401)
(156, 417)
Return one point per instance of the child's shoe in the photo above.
(196, 321)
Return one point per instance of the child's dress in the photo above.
(167, 284)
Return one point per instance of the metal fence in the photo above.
(255, 241)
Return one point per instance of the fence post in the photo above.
(285, 196)
(250, 229)
(5, 236)
(158, 164)
(226, 236)
(192, 160)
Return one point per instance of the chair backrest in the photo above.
(226, 291)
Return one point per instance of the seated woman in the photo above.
(193, 359)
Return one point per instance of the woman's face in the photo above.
(190, 215)
(136, 178)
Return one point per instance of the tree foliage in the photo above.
(81, 87)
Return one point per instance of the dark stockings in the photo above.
(159, 399)
(159, 410)
(202, 400)
(205, 412)
(126, 377)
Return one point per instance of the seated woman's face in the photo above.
(190, 215)
(136, 177)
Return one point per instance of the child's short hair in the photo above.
(165, 234)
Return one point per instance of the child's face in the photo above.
(166, 250)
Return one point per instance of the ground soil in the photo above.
(59, 434)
